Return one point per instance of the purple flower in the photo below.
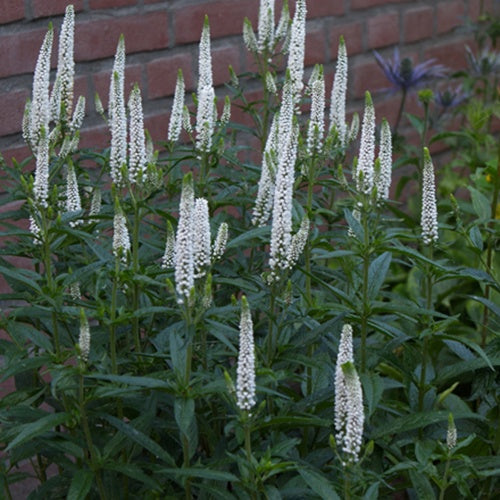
(449, 97)
(404, 75)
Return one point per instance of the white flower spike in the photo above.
(428, 221)
(245, 372)
(137, 145)
(365, 168)
(338, 97)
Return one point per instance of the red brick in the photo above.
(316, 47)
(367, 76)
(365, 4)
(162, 74)
(324, 8)
(475, 6)
(449, 15)
(157, 126)
(43, 8)
(386, 107)
(11, 11)
(418, 24)
(20, 52)
(96, 137)
(152, 1)
(18, 153)
(225, 16)
(383, 30)
(133, 74)
(222, 57)
(353, 37)
(11, 111)
(106, 4)
(452, 55)
(97, 39)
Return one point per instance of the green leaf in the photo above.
(24, 276)
(490, 305)
(184, 414)
(80, 485)
(373, 388)
(475, 237)
(372, 492)
(293, 421)
(471, 345)
(377, 273)
(319, 484)
(140, 438)
(422, 485)
(354, 224)
(148, 382)
(202, 473)
(480, 204)
(34, 429)
(134, 472)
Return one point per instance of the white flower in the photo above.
(84, 337)
(299, 241)
(383, 176)
(168, 259)
(265, 27)
(205, 118)
(220, 242)
(62, 94)
(186, 120)
(41, 184)
(271, 83)
(39, 108)
(74, 290)
(296, 48)
(265, 192)
(118, 150)
(119, 68)
(281, 31)
(35, 230)
(121, 238)
(205, 58)
(365, 169)
(349, 416)
(73, 201)
(245, 372)
(175, 123)
(353, 131)
(428, 219)
(249, 37)
(201, 237)
(317, 121)
(451, 434)
(78, 115)
(137, 146)
(338, 97)
(226, 111)
(282, 208)
(95, 203)
(184, 258)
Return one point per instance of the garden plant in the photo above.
(257, 309)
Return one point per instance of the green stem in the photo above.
(425, 347)
(94, 463)
(270, 333)
(185, 451)
(248, 450)
(400, 112)
(489, 252)
(445, 479)
(112, 326)
(135, 269)
(365, 305)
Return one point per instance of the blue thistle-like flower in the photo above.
(404, 75)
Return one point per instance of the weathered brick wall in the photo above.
(162, 36)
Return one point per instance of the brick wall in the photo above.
(162, 36)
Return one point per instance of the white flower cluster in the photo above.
(84, 337)
(117, 116)
(73, 201)
(349, 415)
(184, 255)
(338, 96)
(267, 35)
(245, 371)
(428, 221)
(206, 112)
(451, 433)
(265, 191)
(62, 93)
(317, 121)
(137, 143)
(175, 123)
(41, 184)
(190, 251)
(296, 49)
(383, 175)
(121, 238)
(364, 174)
